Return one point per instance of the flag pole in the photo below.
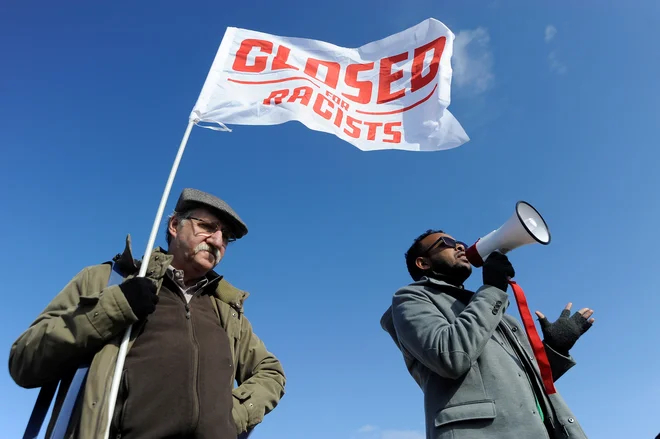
(123, 348)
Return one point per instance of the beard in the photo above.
(455, 275)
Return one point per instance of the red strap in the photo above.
(534, 339)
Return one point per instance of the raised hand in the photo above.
(562, 334)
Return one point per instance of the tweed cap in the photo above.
(192, 198)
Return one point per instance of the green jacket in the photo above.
(86, 322)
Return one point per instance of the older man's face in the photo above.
(198, 243)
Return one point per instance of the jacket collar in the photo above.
(160, 260)
(459, 293)
(124, 261)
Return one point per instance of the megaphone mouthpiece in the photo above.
(525, 226)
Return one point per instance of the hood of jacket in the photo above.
(440, 287)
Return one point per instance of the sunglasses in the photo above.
(445, 241)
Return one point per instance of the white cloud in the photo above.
(473, 60)
(555, 64)
(373, 432)
(402, 434)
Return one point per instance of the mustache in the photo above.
(203, 246)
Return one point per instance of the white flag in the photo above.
(388, 94)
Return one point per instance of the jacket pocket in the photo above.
(120, 405)
(484, 409)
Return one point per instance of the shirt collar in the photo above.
(177, 277)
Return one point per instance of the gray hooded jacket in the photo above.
(475, 365)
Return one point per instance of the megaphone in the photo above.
(526, 226)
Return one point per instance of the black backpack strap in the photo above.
(73, 391)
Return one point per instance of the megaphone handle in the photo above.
(534, 339)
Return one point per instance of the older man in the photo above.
(472, 361)
(190, 340)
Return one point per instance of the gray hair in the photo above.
(181, 216)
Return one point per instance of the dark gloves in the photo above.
(562, 334)
(497, 271)
(141, 295)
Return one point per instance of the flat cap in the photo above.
(192, 198)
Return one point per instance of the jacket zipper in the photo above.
(195, 417)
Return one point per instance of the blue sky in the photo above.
(560, 100)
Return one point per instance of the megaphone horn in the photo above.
(526, 226)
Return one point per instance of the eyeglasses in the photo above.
(445, 241)
(205, 228)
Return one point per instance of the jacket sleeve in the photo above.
(74, 325)
(447, 348)
(559, 364)
(260, 378)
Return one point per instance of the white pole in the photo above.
(121, 356)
